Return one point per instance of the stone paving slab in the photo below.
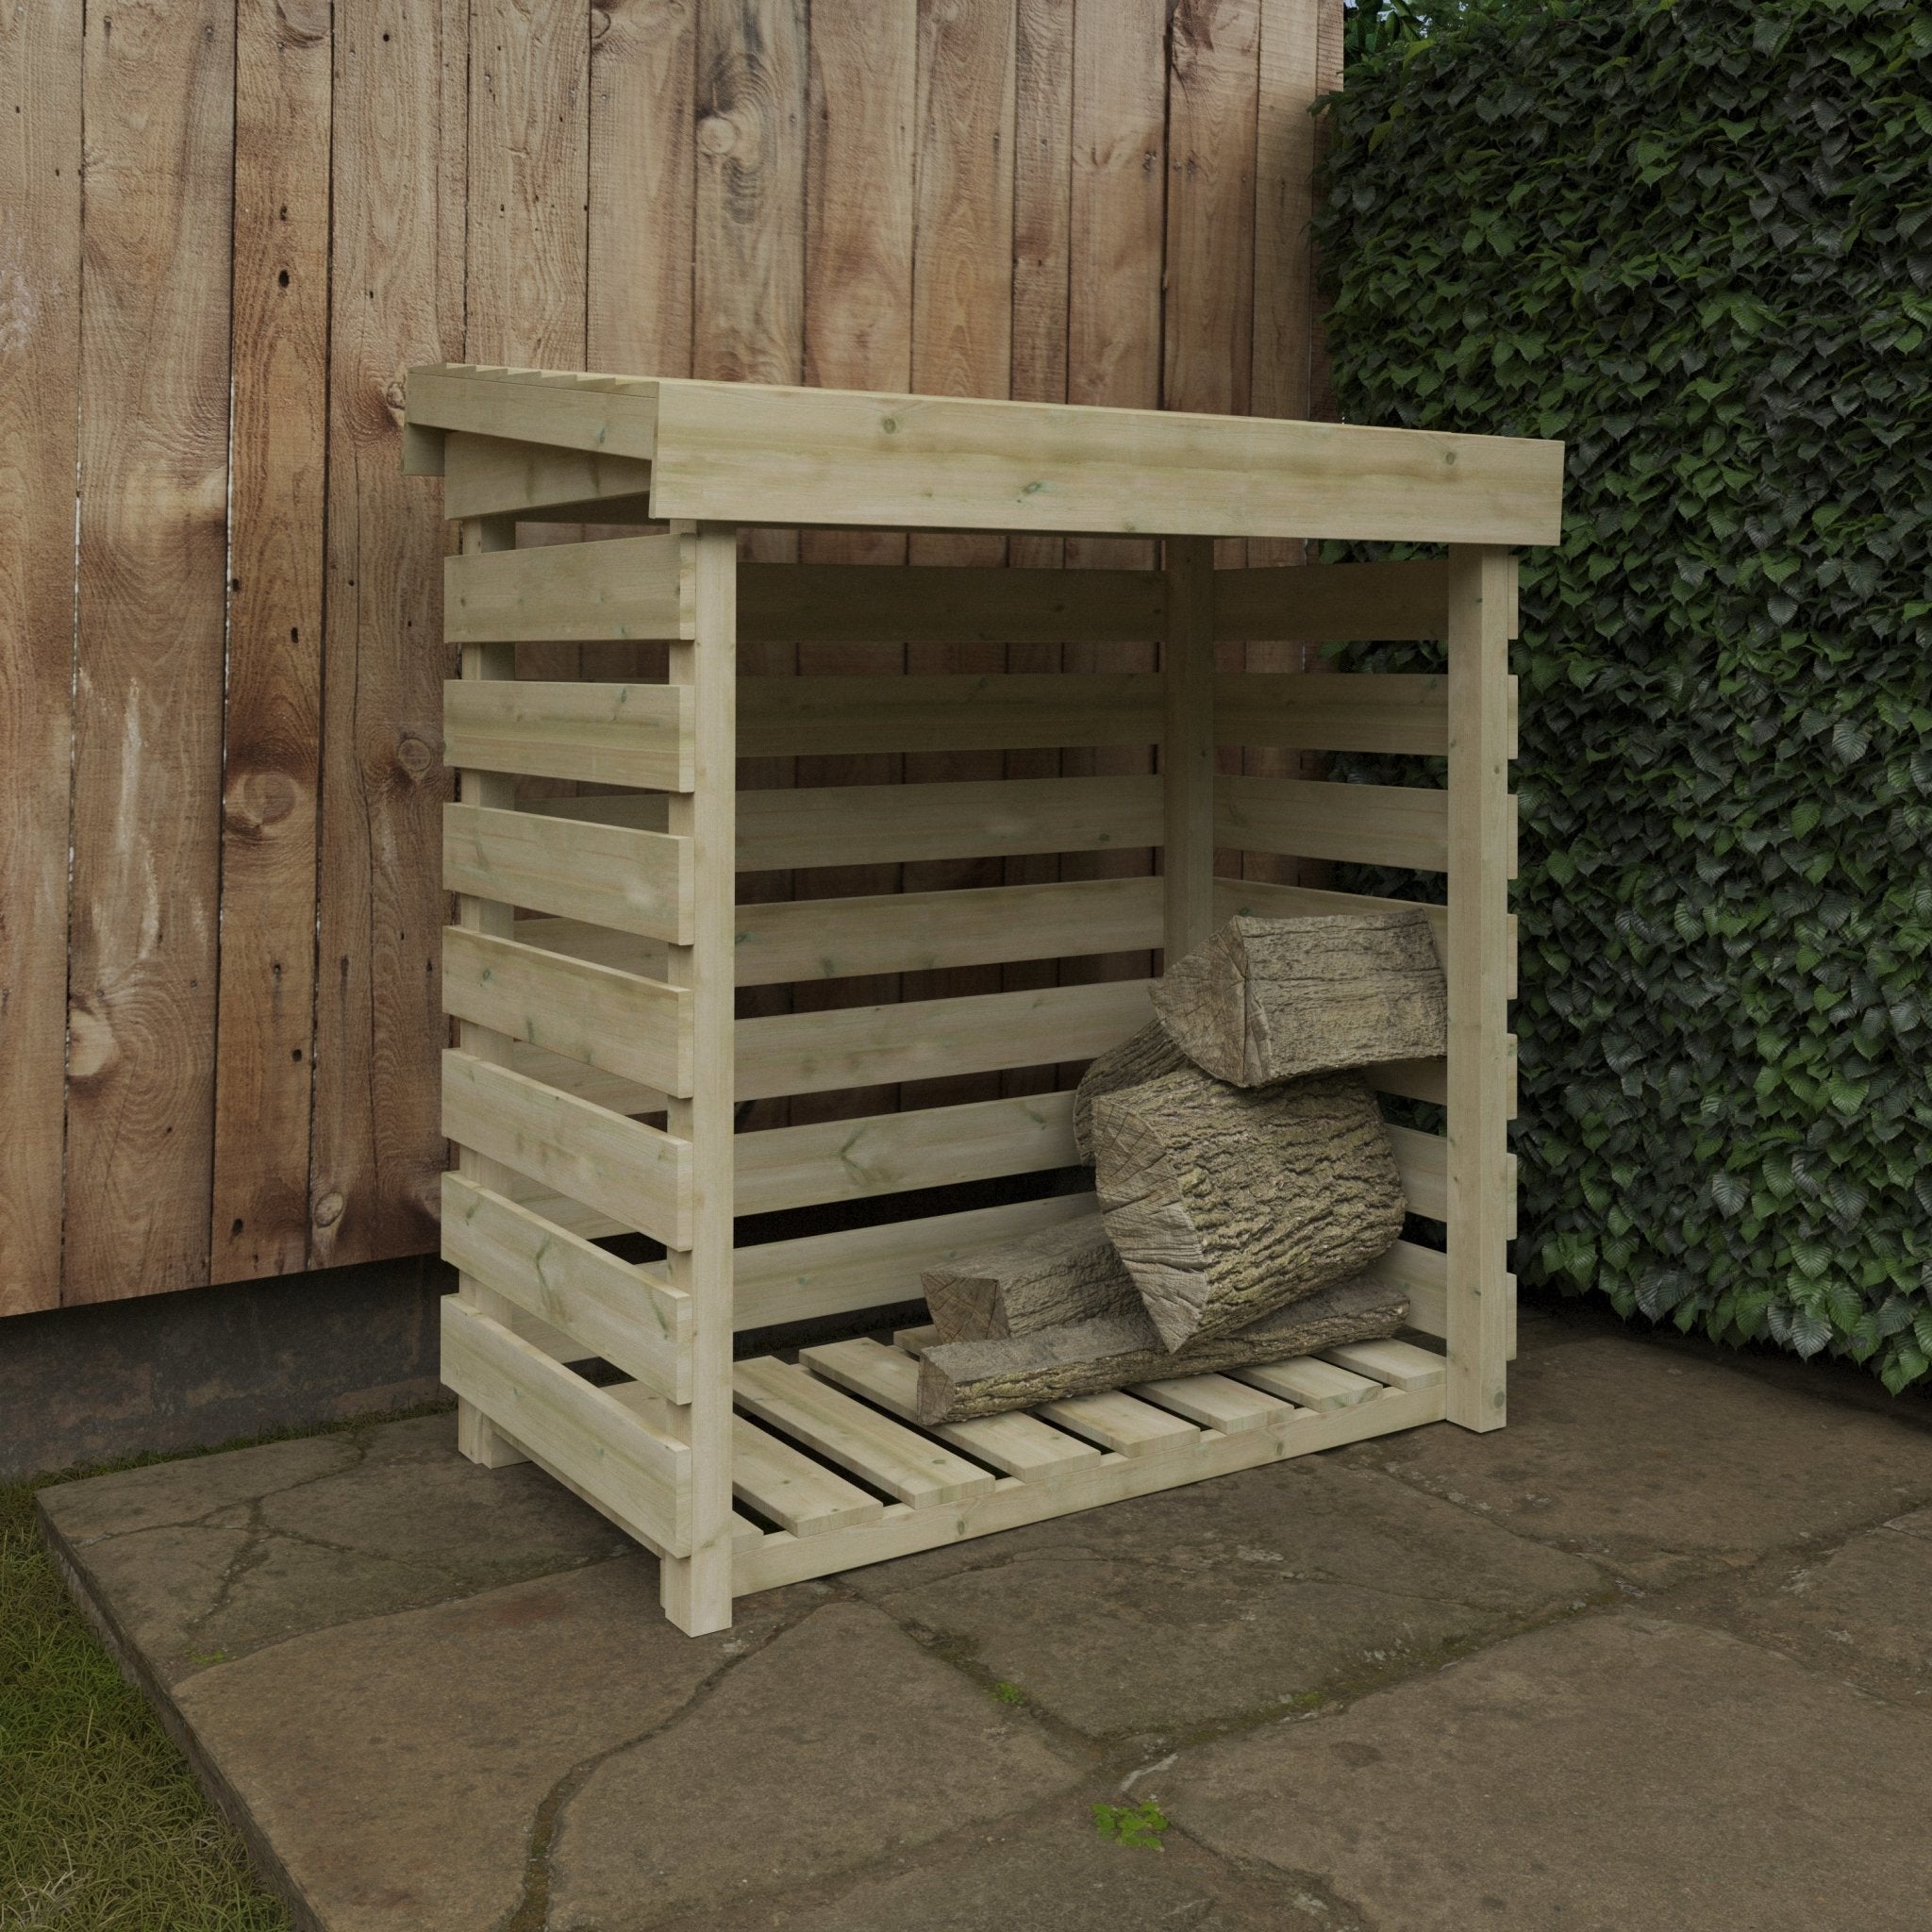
(839, 1743)
(1662, 1465)
(1615, 1773)
(205, 1560)
(1256, 1593)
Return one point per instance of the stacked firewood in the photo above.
(1245, 1179)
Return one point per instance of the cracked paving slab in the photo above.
(255, 1547)
(1613, 1772)
(1664, 1466)
(397, 1766)
(1049, 1869)
(1233, 1599)
(839, 1742)
(1861, 1612)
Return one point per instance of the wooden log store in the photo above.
(599, 940)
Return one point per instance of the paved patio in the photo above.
(1658, 1656)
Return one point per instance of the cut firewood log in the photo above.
(1279, 999)
(1226, 1202)
(1144, 1056)
(959, 1380)
(1038, 1279)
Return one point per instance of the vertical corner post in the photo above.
(1482, 604)
(1186, 746)
(477, 1437)
(696, 1589)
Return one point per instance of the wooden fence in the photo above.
(227, 226)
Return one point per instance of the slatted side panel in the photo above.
(287, 207)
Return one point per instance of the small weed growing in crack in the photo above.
(1007, 1693)
(1131, 1825)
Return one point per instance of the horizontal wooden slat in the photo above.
(1332, 603)
(781, 1482)
(634, 1173)
(603, 734)
(1423, 1274)
(924, 1039)
(1217, 1403)
(639, 1478)
(639, 882)
(491, 476)
(847, 1160)
(1265, 900)
(1309, 1383)
(1395, 1364)
(624, 587)
(869, 1267)
(942, 604)
(1422, 1160)
(1369, 711)
(1010, 710)
(610, 414)
(639, 1030)
(867, 824)
(916, 932)
(1309, 817)
(781, 1559)
(1018, 1444)
(607, 1307)
(1116, 1421)
(886, 1454)
(738, 451)
(898, 932)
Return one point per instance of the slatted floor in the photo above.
(832, 1471)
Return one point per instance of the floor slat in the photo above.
(1395, 1364)
(777, 1481)
(1118, 1422)
(1217, 1403)
(1313, 1384)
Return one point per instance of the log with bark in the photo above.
(1227, 1201)
(1279, 999)
(1038, 1279)
(1142, 1055)
(959, 1380)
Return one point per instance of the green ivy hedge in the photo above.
(1693, 241)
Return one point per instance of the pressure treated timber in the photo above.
(1187, 763)
(603, 734)
(492, 475)
(781, 1559)
(1310, 1383)
(1215, 1402)
(1007, 710)
(1016, 1444)
(639, 882)
(639, 1176)
(768, 1474)
(610, 1308)
(888, 1153)
(628, 588)
(1481, 1213)
(919, 1039)
(639, 1476)
(870, 1267)
(638, 1029)
(1332, 603)
(1392, 1363)
(1310, 818)
(1423, 1274)
(1368, 711)
(946, 604)
(1423, 1161)
(902, 1462)
(606, 415)
(899, 932)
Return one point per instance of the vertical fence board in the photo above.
(749, 305)
(265, 1025)
(217, 1044)
(40, 349)
(154, 485)
(1115, 246)
(397, 298)
(858, 232)
(962, 345)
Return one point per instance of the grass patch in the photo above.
(101, 1824)
(1140, 1825)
